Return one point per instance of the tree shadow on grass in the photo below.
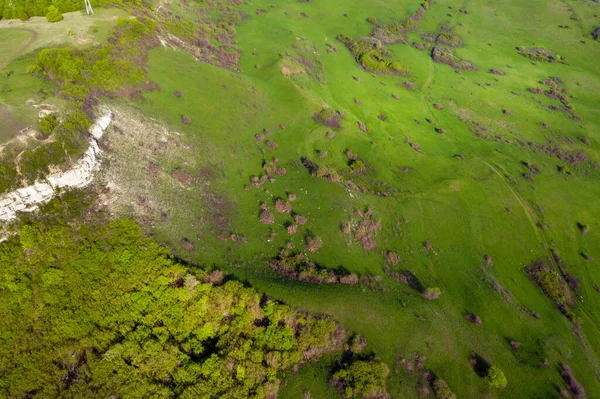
(480, 365)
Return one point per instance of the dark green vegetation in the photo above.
(361, 378)
(144, 325)
(295, 163)
(23, 9)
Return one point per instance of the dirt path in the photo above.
(24, 48)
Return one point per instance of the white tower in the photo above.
(88, 7)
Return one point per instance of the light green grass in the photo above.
(12, 41)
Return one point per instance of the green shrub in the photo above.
(551, 283)
(358, 167)
(53, 15)
(432, 293)
(496, 378)
(22, 14)
(441, 390)
(35, 163)
(8, 174)
(361, 378)
(48, 123)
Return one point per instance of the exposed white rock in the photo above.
(27, 199)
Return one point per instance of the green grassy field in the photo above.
(458, 205)
(465, 195)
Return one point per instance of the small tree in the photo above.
(432, 293)
(441, 390)
(496, 378)
(48, 123)
(362, 379)
(53, 15)
(22, 14)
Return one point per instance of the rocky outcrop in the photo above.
(80, 175)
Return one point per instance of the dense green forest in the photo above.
(144, 325)
(23, 9)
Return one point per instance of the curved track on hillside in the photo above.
(22, 49)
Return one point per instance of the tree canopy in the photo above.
(102, 311)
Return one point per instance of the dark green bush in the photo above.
(8, 174)
(551, 283)
(53, 15)
(48, 123)
(361, 378)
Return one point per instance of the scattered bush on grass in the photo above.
(373, 56)
(313, 244)
(301, 220)
(421, 45)
(413, 145)
(574, 386)
(361, 378)
(441, 390)
(446, 56)
(405, 277)
(358, 167)
(266, 216)
(541, 54)
(449, 39)
(432, 294)
(497, 72)
(392, 258)
(282, 206)
(363, 226)
(556, 91)
(474, 319)
(496, 378)
(357, 344)
(596, 33)
(329, 118)
(488, 261)
(584, 229)
(295, 266)
(553, 285)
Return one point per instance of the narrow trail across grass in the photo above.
(22, 49)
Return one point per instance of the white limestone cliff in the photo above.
(80, 175)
